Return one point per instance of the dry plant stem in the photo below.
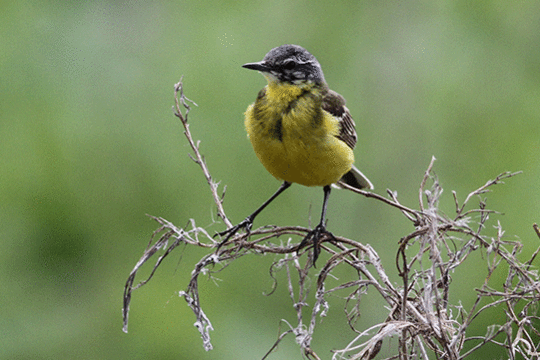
(411, 214)
(427, 175)
(198, 158)
(419, 308)
(274, 347)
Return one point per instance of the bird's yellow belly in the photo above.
(305, 155)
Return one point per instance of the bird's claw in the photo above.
(245, 224)
(314, 236)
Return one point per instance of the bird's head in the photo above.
(289, 63)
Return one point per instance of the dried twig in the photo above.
(420, 312)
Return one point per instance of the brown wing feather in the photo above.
(335, 105)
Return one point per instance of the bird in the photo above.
(302, 133)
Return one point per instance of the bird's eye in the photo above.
(289, 65)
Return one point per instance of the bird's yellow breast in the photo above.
(294, 138)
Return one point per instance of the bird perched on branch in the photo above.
(301, 131)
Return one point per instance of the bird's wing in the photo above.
(335, 105)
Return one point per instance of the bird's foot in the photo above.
(246, 224)
(315, 236)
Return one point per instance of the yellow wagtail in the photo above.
(301, 131)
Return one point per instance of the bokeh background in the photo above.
(89, 145)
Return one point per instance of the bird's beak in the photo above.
(259, 66)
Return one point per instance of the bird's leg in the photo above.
(316, 234)
(247, 223)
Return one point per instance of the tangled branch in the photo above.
(420, 313)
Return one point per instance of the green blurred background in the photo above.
(89, 145)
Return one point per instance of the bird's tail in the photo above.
(356, 179)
